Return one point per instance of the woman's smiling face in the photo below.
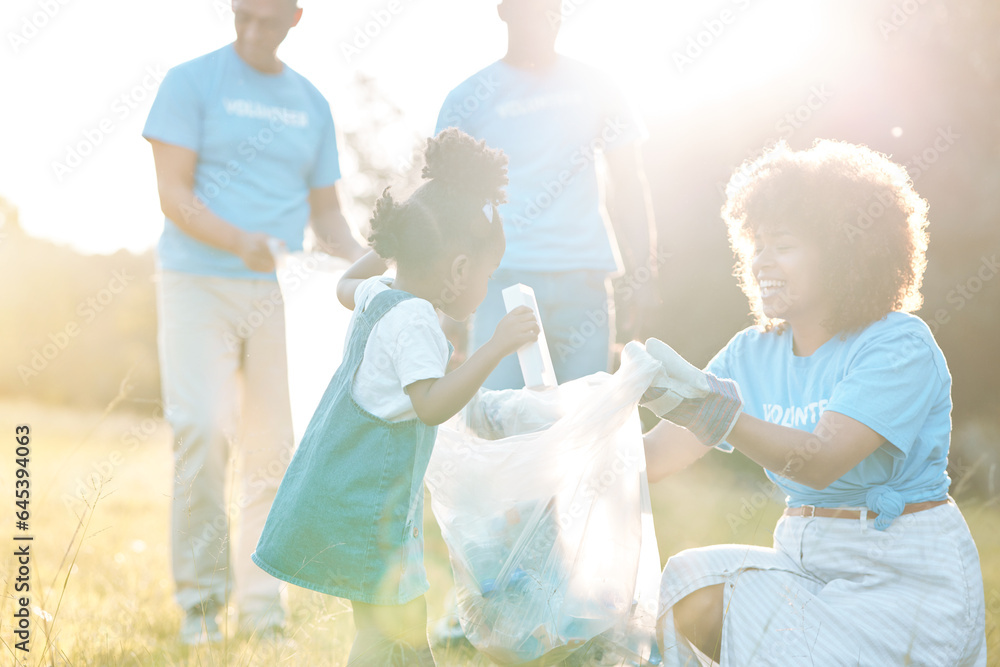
(788, 269)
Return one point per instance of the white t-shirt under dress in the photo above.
(405, 346)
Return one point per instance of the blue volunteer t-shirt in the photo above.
(263, 141)
(891, 377)
(551, 123)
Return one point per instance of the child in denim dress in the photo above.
(347, 519)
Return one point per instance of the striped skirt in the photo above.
(838, 592)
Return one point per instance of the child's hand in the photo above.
(517, 329)
(366, 267)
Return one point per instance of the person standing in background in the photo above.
(554, 117)
(246, 156)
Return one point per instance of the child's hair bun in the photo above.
(445, 215)
(385, 226)
(465, 165)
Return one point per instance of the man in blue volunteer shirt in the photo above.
(246, 156)
(554, 117)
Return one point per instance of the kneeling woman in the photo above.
(845, 399)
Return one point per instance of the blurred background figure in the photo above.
(557, 119)
(245, 157)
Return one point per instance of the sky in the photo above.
(79, 77)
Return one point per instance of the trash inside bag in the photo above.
(543, 503)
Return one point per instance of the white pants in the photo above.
(225, 389)
(838, 592)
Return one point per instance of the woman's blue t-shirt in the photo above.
(890, 376)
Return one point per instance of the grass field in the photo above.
(100, 580)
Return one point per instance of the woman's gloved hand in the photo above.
(700, 402)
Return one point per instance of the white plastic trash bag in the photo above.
(543, 502)
(315, 327)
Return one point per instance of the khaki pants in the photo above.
(225, 390)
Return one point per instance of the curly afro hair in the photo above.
(445, 215)
(859, 206)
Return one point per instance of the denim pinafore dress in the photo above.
(347, 519)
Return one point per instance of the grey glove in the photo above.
(697, 400)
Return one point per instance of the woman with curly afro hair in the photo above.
(844, 398)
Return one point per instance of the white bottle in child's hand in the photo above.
(534, 358)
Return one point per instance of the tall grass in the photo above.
(101, 587)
